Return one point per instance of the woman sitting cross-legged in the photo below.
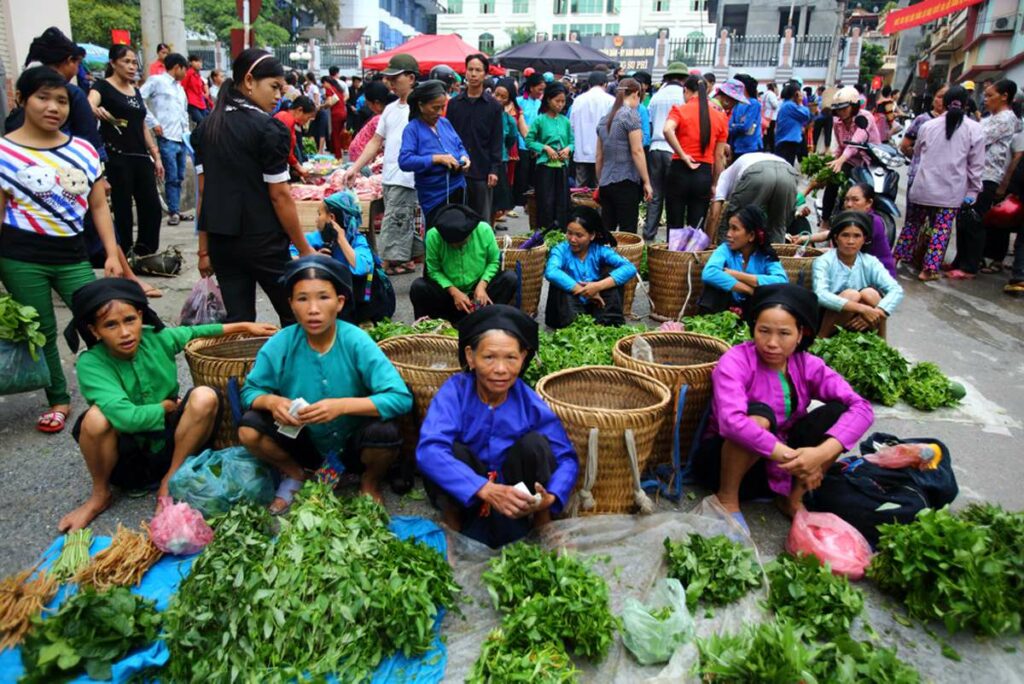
(586, 274)
(351, 390)
(486, 432)
(462, 267)
(136, 432)
(744, 262)
(761, 439)
(853, 286)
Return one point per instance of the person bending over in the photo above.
(486, 431)
(136, 432)
(743, 263)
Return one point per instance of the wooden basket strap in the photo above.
(689, 288)
(585, 497)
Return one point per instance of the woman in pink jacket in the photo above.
(761, 439)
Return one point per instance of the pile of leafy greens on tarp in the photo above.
(713, 569)
(805, 592)
(20, 323)
(725, 326)
(584, 343)
(389, 328)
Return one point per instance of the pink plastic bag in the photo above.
(910, 455)
(832, 540)
(204, 304)
(179, 529)
(688, 239)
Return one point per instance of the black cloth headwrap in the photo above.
(845, 219)
(798, 301)
(319, 267)
(499, 317)
(425, 91)
(89, 298)
(456, 222)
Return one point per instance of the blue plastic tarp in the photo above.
(162, 580)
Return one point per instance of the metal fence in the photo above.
(207, 53)
(812, 51)
(751, 51)
(344, 55)
(694, 52)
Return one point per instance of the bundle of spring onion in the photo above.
(73, 556)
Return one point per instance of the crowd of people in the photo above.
(460, 154)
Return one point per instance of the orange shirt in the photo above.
(687, 118)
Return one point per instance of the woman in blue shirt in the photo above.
(586, 274)
(350, 391)
(743, 263)
(745, 120)
(790, 122)
(433, 151)
(494, 458)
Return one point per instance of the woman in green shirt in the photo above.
(136, 432)
(462, 268)
(550, 137)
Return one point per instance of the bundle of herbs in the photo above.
(74, 555)
(962, 570)
(927, 388)
(816, 167)
(716, 569)
(725, 326)
(584, 343)
(806, 593)
(334, 594)
(89, 633)
(22, 597)
(389, 328)
(501, 661)
(20, 324)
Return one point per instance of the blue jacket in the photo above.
(645, 124)
(714, 275)
(790, 122)
(745, 127)
(419, 145)
(564, 270)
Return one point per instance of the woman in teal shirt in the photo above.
(550, 138)
(462, 268)
(742, 264)
(351, 393)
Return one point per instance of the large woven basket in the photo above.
(215, 362)
(425, 362)
(680, 358)
(798, 268)
(611, 400)
(533, 262)
(631, 246)
(674, 276)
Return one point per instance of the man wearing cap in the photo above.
(659, 159)
(398, 241)
(587, 110)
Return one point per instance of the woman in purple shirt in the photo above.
(861, 197)
(761, 439)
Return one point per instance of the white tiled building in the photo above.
(491, 24)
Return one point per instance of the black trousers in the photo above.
(620, 205)
(242, 262)
(586, 174)
(524, 178)
(788, 150)
(552, 188)
(528, 460)
(769, 136)
(430, 299)
(831, 196)
(133, 178)
(479, 197)
(715, 300)
(563, 308)
(687, 194)
(970, 236)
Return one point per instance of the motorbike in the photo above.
(884, 178)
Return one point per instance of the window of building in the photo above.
(614, 6)
(454, 6)
(661, 5)
(558, 32)
(611, 29)
(520, 6)
(587, 6)
(585, 29)
(734, 19)
(486, 43)
(560, 7)
(699, 5)
(487, 6)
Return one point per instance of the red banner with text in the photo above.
(923, 13)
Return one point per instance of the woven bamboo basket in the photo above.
(215, 361)
(631, 246)
(674, 276)
(425, 362)
(680, 358)
(612, 400)
(798, 269)
(533, 262)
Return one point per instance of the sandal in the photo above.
(991, 269)
(52, 422)
(401, 269)
(1014, 288)
(285, 493)
(186, 217)
(928, 276)
(957, 274)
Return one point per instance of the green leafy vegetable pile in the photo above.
(389, 328)
(713, 569)
(875, 370)
(88, 634)
(20, 323)
(553, 238)
(644, 269)
(725, 326)
(927, 388)
(335, 593)
(501, 661)
(807, 594)
(548, 601)
(965, 571)
(815, 167)
(584, 343)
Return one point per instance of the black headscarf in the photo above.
(425, 91)
(800, 302)
(847, 218)
(319, 267)
(499, 317)
(90, 298)
(455, 222)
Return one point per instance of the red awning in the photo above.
(430, 51)
(923, 13)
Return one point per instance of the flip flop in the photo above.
(1014, 288)
(957, 274)
(186, 217)
(928, 276)
(46, 420)
(398, 270)
(286, 493)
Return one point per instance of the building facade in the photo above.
(771, 17)
(389, 23)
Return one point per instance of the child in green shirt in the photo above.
(550, 138)
(136, 432)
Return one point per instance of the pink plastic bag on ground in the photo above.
(179, 529)
(832, 540)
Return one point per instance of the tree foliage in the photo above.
(219, 17)
(871, 59)
(92, 20)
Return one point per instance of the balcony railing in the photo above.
(753, 51)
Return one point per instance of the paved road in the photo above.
(972, 330)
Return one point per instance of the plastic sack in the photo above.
(204, 304)
(214, 481)
(687, 239)
(179, 529)
(907, 455)
(652, 632)
(1006, 214)
(19, 372)
(832, 540)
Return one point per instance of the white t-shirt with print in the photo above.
(390, 127)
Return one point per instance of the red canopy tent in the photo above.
(429, 52)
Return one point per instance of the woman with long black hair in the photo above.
(242, 161)
(697, 134)
(551, 139)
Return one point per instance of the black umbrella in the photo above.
(557, 56)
